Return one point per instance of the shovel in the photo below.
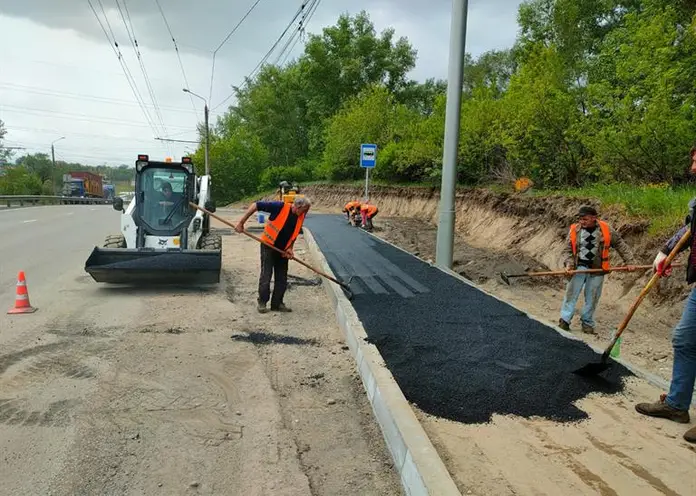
(344, 286)
(592, 369)
(506, 277)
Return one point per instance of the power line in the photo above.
(90, 136)
(136, 48)
(212, 71)
(178, 55)
(302, 29)
(297, 34)
(297, 14)
(81, 96)
(83, 117)
(124, 66)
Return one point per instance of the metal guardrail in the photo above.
(35, 200)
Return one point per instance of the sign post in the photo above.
(368, 160)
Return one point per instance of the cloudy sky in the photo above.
(60, 77)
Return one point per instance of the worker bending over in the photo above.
(588, 246)
(350, 208)
(368, 212)
(281, 230)
(675, 405)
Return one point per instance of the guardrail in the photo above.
(35, 200)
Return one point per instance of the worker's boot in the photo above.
(662, 410)
(261, 307)
(690, 435)
(564, 325)
(281, 308)
(588, 329)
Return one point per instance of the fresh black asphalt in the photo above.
(456, 352)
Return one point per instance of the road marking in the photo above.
(92, 208)
(28, 221)
(70, 213)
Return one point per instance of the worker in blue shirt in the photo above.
(281, 231)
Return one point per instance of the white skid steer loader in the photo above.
(163, 239)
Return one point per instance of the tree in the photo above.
(5, 154)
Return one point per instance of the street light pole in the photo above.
(207, 129)
(53, 160)
(445, 228)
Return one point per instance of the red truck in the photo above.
(83, 184)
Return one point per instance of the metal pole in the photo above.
(53, 170)
(367, 180)
(445, 228)
(207, 141)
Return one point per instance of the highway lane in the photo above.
(49, 242)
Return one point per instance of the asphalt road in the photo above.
(456, 352)
(48, 242)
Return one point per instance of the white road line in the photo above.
(28, 221)
(70, 213)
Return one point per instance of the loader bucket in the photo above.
(138, 266)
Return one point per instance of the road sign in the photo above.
(368, 155)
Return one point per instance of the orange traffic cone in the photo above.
(22, 304)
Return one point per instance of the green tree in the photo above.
(236, 163)
(19, 180)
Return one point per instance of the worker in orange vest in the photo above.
(587, 247)
(350, 208)
(368, 212)
(281, 230)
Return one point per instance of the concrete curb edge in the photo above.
(418, 463)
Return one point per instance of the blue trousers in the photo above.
(681, 389)
(593, 291)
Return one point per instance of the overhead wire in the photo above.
(129, 77)
(178, 56)
(299, 32)
(136, 48)
(81, 96)
(270, 51)
(234, 29)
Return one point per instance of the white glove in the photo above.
(659, 258)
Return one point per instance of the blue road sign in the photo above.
(368, 155)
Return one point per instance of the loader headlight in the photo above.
(196, 224)
(139, 165)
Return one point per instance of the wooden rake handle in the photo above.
(645, 291)
(228, 223)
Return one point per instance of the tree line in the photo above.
(598, 90)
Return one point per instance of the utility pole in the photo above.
(207, 129)
(53, 160)
(445, 228)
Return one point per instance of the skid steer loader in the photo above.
(163, 239)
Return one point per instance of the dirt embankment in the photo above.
(515, 233)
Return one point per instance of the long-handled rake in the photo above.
(344, 285)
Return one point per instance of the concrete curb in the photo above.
(649, 377)
(419, 464)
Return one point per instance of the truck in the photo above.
(109, 191)
(83, 184)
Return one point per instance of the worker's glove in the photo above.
(659, 265)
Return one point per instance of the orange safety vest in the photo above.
(273, 227)
(351, 205)
(606, 234)
(370, 209)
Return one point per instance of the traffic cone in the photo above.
(22, 304)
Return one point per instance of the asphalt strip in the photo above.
(456, 352)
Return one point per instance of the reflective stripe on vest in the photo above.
(606, 242)
(273, 227)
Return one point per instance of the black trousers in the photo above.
(276, 265)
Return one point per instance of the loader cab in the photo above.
(163, 191)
